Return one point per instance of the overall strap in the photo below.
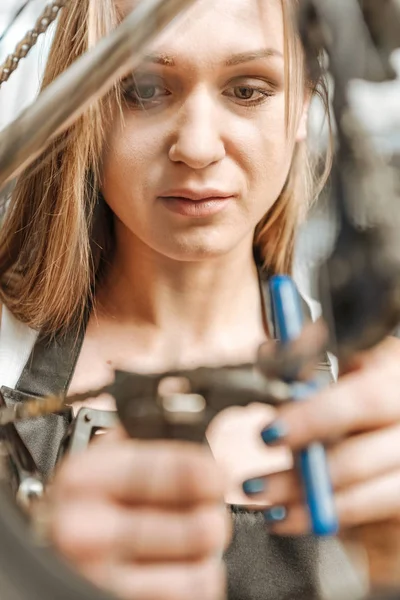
(48, 370)
(52, 362)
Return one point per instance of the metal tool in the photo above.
(312, 461)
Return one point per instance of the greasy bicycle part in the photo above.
(359, 289)
(312, 461)
(138, 394)
(88, 423)
(48, 16)
(90, 77)
(360, 281)
(181, 404)
(26, 482)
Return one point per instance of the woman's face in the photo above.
(202, 152)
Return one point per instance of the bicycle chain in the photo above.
(23, 48)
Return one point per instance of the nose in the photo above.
(197, 140)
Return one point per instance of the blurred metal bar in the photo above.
(87, 79)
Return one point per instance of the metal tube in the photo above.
(91, 76)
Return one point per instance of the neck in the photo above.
(203, 305)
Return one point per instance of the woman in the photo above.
(149, 212)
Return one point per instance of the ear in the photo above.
(302, 128)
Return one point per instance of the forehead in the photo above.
(215, 29)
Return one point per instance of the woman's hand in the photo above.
(143, 520)
(359, 422)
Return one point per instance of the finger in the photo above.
(87, 532)
(360, 401)
(292, 520)
(372, 501)
(197, 581)
(275, 489)
(164, 473)
(374, 358)
(353, 460)
(364, 457)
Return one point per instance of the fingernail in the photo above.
(274, 433)
(276, 514)
(253, 486)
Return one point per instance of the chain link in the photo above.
(47, 17)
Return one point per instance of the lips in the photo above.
(199, 195)
(196, 203)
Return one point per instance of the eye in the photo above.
(249, 95)
(143, 92)
(244, 93)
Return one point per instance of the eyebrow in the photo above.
(160, 59)
(236, 59)
(244, 57)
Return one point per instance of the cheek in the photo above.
(266, 153)
(132, 153)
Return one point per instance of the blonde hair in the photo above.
(57, 235)
(275, 236)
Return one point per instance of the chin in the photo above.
(198, 247)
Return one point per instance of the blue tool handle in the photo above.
(289, 321)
